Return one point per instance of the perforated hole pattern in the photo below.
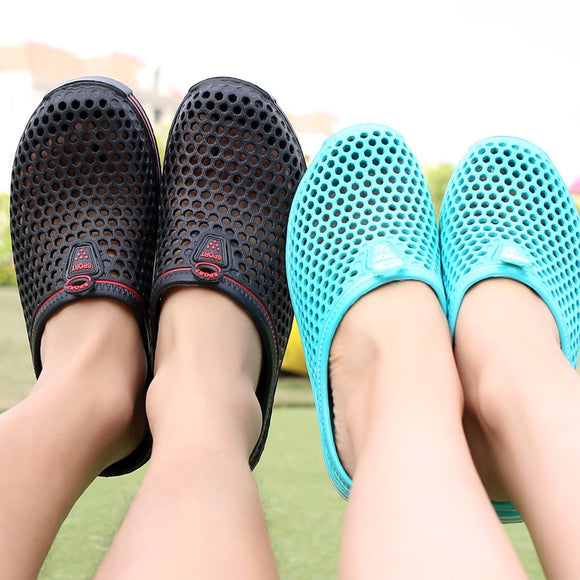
(232, 165)
(85, 168)
(366, 186)
(507, 190)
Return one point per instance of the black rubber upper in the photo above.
(84, 194)
(232, 165)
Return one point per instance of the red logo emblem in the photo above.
(81, 255)
(84, 260)
(78, 283)
(207, 271)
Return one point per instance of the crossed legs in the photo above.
(398, 393)
(198, 500)
(417, 508)
(398, 428)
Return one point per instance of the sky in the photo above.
(443, 73)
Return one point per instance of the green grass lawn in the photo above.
(303, 511)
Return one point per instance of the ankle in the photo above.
(107, 414)
(94, 338)
(201, 329)
(203, 413)
(391, 353)
(386, 322)
(203, 393)
(506, 346)
(96, 370)
(500, 312)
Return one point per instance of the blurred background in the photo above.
(444, 73)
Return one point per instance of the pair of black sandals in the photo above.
(93, 215)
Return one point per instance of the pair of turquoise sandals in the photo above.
(363, 216)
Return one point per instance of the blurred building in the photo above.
(29, 70)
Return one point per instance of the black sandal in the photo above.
(84, 196)
(232, 165)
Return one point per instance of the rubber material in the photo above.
(507, 213)
(84, 194)
(232, 165)
(362, 217)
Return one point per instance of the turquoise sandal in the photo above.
(506, 213)
(362, 217)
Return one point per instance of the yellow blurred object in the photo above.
(294, 361)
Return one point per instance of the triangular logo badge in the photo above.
(514, 255)
(83, 260)
(383, 257)
(212, 249)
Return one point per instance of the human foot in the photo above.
(83, 210)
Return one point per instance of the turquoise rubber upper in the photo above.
(507, 213)
(362, 217)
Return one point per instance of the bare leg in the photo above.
(417, 508)
(197, 513)
(523, 399)
(82, 415)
